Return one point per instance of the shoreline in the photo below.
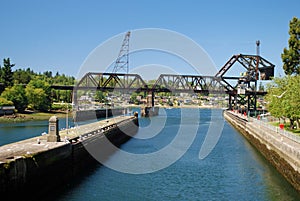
(39, 116)
(182, 106)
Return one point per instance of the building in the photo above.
(7, 110)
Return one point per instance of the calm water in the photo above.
(234, 170)
(12, 132)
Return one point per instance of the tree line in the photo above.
(283, 98)
(26, 89)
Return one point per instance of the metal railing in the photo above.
(276, 129)
(284, 141)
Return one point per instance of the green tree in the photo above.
(284, 100)
(6, 73)
(16, 94)
(291, 56)
(292, 99)
(100, 96)
(38, 93)
(5, 102)
(1, 81)
(62, 95)
(22, 76)
(48, 74)
(261, 87)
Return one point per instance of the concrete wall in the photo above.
(83, 115)
(281, 152)
(32, 175)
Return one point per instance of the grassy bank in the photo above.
(20, 117)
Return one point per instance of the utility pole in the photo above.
(257, 58)
(256, 74)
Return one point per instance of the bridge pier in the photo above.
(149, 109)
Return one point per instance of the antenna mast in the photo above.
(122, 62)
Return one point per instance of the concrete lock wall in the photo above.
(35, 174)
(83, 115)
(281, 152)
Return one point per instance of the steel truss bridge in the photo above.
(243, 93)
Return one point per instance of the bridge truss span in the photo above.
(112, 81)
(188, 83)
(242, 89)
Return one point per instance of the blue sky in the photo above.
(58, 35)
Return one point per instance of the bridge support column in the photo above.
(230, 102)
(235, 102)
(149, 109)
(152, 98)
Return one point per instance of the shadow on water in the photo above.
(73, 184)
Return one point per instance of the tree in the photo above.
(292, 100)
(284, 100)
(6, 73)
(38, 93)
(22, 76)
(62, 95)
(261, 87)
(5, 102)
(48, 74)
(291, 56)
(100, 96)
(16, 94)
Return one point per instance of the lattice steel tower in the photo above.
(122, 62)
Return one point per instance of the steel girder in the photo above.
(112, 81)
(188, 83)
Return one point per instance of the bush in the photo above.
(5, 102)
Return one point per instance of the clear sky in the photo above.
(58, 35)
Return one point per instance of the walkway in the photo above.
(40, 144)
(287, 142)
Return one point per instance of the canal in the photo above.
(234, 170)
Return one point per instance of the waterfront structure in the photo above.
(282, 150)
(31, 163)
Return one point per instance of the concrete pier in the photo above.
(149, 111)
(281, 150)
(33, 167)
